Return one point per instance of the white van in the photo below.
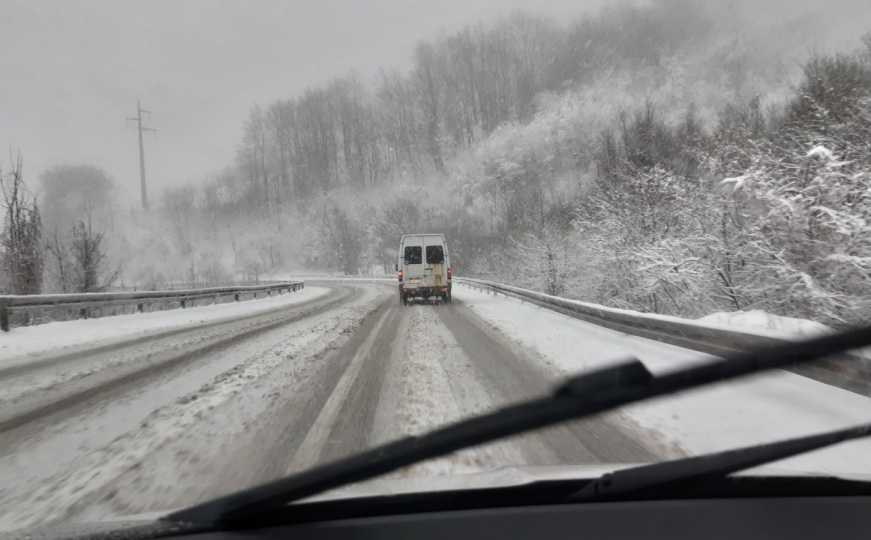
(424, 267)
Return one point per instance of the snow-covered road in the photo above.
(169, 419)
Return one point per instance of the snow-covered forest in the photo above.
(665, 157)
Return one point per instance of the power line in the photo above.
(140, 128)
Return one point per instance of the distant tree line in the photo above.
(459, 89)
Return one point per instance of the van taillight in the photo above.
(400, 275)
(450, 272)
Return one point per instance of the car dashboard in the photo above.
(739, 518)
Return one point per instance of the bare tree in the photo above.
(21, 240)
(252, 154)
(60, 259)
(280, 117)
(427, 78)
(399, 117)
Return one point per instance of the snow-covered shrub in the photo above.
(807, 234)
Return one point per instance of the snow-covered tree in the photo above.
(21, 236)
(90, 268)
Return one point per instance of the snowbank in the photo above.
(821, 152)
(766, 324)
(762, 323)
(750, 411)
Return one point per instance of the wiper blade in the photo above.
(580, 396)
(717, 465)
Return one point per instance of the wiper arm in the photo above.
(718, 465)
(578, 397)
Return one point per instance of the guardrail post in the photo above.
(4, 315)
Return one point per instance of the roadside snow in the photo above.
(761, 323)
(721, 323)
(821, 152)
(20, 345)
(737, 182)
(759, 409)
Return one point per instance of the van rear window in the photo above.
(412, 255)
(435, 255)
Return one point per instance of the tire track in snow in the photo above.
(512, 375)
(429, 383)
(327, 436)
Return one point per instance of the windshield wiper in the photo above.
(710, 466)
(580, 396)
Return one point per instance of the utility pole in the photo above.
(140, 128)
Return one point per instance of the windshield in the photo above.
(240, 240)
(435, 255)
(412, 255)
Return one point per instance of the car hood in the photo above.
(147, 525)
(519, 475)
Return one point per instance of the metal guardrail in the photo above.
(849, 371)
(85, 304)
(185, 285)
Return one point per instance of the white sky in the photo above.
(71, 71)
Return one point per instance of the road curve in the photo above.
(317, 382)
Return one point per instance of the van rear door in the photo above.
(412, 261)
(435, 256)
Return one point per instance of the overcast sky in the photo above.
(71, 71)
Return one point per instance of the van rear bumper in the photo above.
(414, 290)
